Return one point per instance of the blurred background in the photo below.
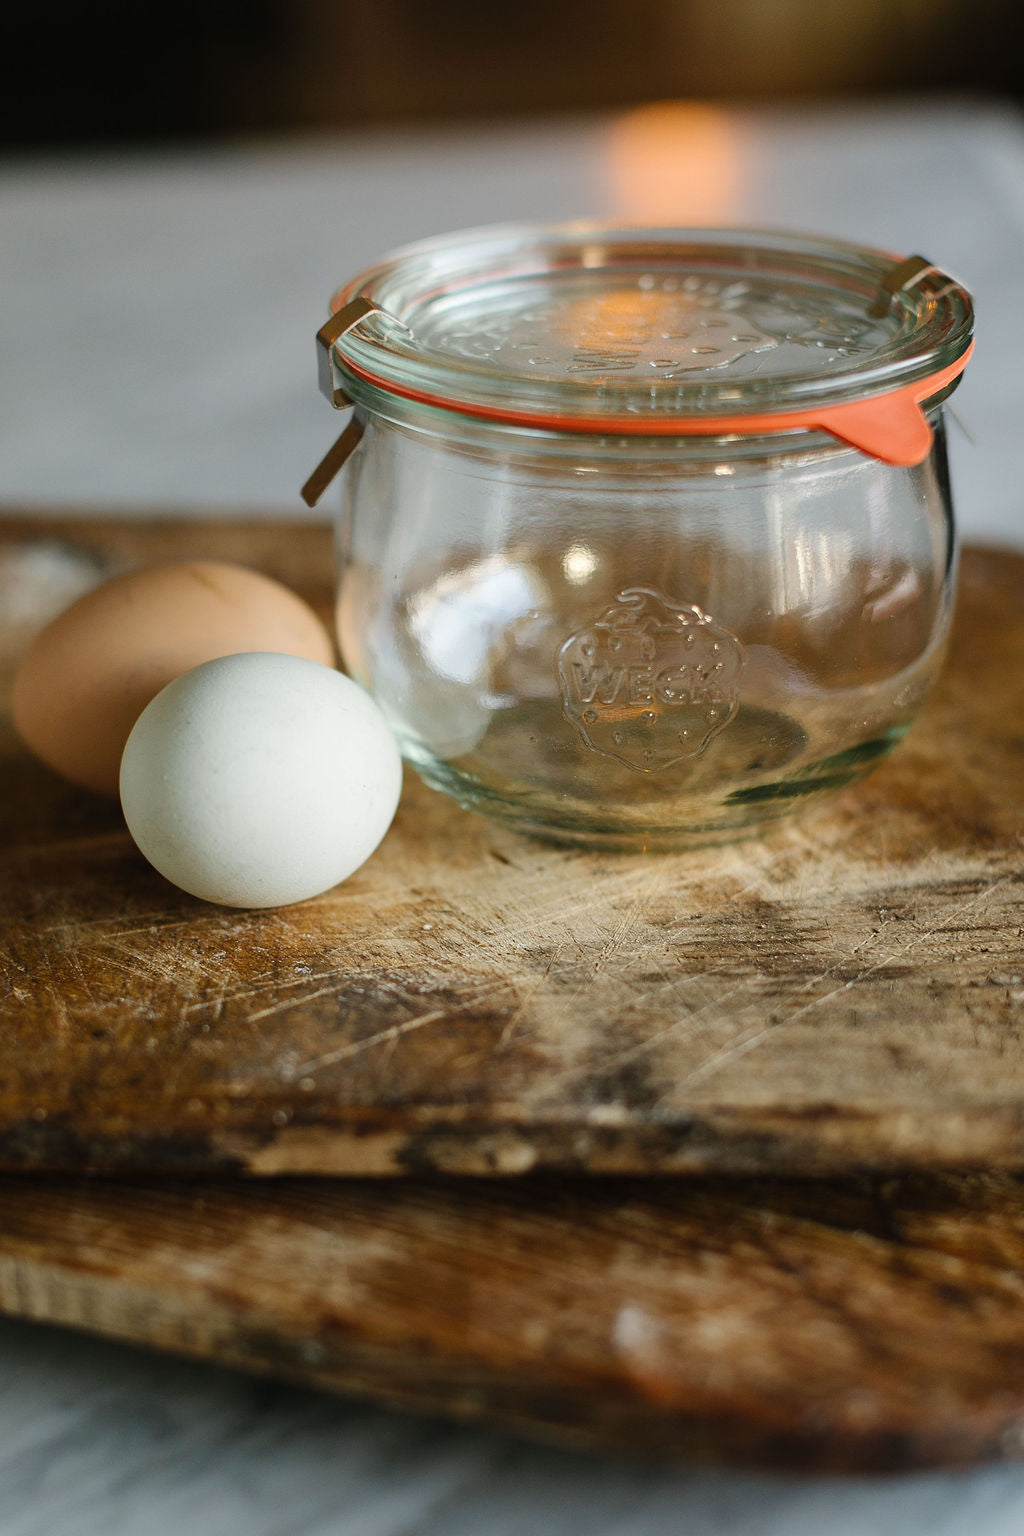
(182, 188)
(109, 73)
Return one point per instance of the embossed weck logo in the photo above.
(652, 681)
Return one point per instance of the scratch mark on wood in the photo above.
(758, 1037)
(534, 991)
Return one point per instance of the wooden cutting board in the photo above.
(847, 993)
(866, 1324)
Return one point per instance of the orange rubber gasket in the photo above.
(891, 426)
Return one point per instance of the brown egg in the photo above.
(90, 674)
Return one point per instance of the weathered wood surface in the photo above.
(873, 1323)
(847, 993)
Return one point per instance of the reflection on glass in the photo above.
(578, 563)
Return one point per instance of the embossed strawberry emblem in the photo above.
(651, 681)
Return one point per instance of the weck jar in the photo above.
(646, 535)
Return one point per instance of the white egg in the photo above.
(260, 779)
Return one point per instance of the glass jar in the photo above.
(647, 538)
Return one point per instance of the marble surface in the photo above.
(100, 1440)
(156, 350)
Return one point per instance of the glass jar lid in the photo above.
(658, 331)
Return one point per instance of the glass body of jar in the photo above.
(633, 641)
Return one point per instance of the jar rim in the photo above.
(589, 327)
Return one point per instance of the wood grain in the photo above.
(847, 993)
(866, 1324)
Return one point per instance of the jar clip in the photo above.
(348, 316)
(904, 274)
(331, 463)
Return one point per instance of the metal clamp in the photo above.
(331, 462)
(349, 315)
(327, 371)
(900, 277)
